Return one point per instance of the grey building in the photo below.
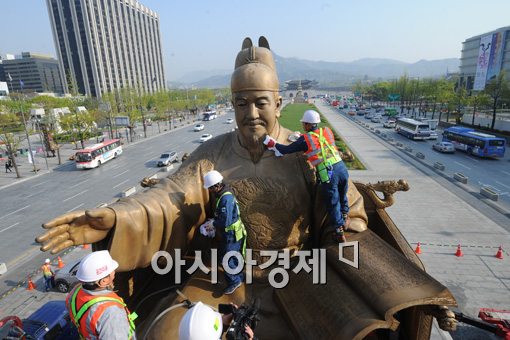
(107, 44)
(483, 57)
(32, 72)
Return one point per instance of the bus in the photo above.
(474, 142)
(412, 129)
(209, 115)
(390, 112)
(97, 154)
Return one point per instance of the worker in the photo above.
(201, 322)
(48, 274)
(318, 144)
(227, 220)
(96, 310)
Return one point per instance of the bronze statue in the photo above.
(279, 207)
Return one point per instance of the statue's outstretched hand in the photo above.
(75, 228)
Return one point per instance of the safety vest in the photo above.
(238, 226)
(80, 304)
(46, 269)
(322, 151)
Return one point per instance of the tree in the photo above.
(10, 126)
(497, 89)
(478, 100)
(78, 123)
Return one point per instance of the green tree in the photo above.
(10, 128)
(478, 100)
(497, 89)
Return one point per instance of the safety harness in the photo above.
(77, 315)
(321, 161)
(238, 226)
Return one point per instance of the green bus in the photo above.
(390, 112)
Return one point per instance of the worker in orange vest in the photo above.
(96, 310)
(48, 274)
(318, 145)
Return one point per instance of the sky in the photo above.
(200, 35)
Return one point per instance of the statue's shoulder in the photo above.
(287, 136)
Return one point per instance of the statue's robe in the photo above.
(280, 206)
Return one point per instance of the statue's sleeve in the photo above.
(161, 218)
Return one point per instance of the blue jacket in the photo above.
(225, 213)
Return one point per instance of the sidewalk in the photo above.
(433, 213)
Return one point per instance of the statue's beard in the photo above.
(255, 147)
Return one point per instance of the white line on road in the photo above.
(9, 227)
(15, 211)
(412, 141)
(74, 186)
(36, 185)
(121, 183)
(79, 205)
(78, 194)
(506, 172)
(122, 173)
(462, 165)
(35, 193)
(148, 160)
(474, 160)
(506, 186)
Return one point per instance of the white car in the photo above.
(229, 121)
(376, 119)
(199, 127)
(390, 124)
(205, 137)
(167, 158)
(445, 147)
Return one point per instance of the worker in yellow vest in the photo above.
(48, 274)
(318, 145)
(96, 310)
(227, 220)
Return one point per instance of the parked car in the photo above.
(229, 121)
(199, 127)
(167, 158)
(65, 278)
(446, 147)
(351, 113)
(390, 124)
(205, 137)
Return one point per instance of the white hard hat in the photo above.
(96, 266)
(211, 178)
(47, 261)
(311, 117)
(201, 322)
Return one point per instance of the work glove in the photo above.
(207, 228)
(269, 141)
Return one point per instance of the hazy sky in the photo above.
(206, 34)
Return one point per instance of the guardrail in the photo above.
(489, 193)
(420, 155)
(408, 149)
(128, 192)
(3, 268)
(439, 166)
(167, 168)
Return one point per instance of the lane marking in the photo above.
(15, 211)
(39, 192)
(148, 160)
(9, 227)
(121, 183)
(79, 205)
(78, 194)
(475, 160)
(506, 186)
(122, 173)
(35, 185)
(74, 186)
(505, 172)
(462, 165)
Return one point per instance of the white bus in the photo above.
(413, 129)
(97, 154)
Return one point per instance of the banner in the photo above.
(483, 62)
(496, 57)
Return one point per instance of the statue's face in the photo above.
(256, 112)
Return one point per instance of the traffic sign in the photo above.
(393, 97)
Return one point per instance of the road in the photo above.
(494, 173)
(26, 205)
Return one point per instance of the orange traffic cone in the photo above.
(31, 285)
(418, 249)
(499, 254)
(86, 246)
(60, 263)
(459, 253)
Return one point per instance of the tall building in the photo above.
(483, 57)
(107, 44)
(32, 72)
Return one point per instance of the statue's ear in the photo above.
(263, 42)
(246, 43)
